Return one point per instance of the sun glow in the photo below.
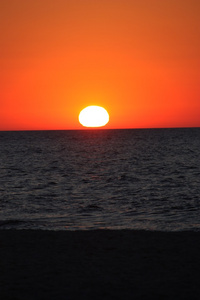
(93, 116)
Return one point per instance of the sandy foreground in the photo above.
(100, 264)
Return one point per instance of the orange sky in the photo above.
(140, 59)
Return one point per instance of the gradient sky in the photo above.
(140, 59)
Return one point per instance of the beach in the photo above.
(99, 264)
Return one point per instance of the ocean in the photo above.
(100, 179)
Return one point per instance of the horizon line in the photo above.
(98, 128)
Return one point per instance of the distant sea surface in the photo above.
(93, 179)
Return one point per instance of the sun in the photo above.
(93, 116)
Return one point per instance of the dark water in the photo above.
(137, 179)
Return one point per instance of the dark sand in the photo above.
(99, 265)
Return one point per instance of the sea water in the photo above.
(91, 179)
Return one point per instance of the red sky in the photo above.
(140, 59)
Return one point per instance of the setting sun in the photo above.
(93, 116)
(138, 59)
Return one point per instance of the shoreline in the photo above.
(99, 264)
